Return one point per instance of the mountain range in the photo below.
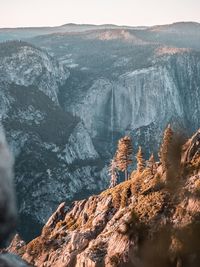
(69, 93)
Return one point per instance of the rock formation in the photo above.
(145, 221)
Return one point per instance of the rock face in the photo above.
(145, 221)
(25, 65)
(128, 103)
(129, 86)
(54, 153)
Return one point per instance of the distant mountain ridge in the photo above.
(29, 32)
(177, 26)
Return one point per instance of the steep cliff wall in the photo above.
(54, 153)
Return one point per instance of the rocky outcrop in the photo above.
(26, 65)
(192, 148)
(140, 222)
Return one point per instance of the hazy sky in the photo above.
(14, 13)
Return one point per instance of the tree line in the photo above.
(123, 157)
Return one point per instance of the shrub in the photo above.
(115, 260)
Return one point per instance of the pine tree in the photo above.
(151, 164)
(166, 148)
(140, 160)
(124, 155)
(113, 173)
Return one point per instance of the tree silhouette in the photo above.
(140, 160)
(166, 148)
(113, 173)
(151, 164)
(124, 155)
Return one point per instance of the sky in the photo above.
(24, 13)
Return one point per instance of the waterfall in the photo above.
(112, 116)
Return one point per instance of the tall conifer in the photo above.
(124, 155)
(151, 164)
(113, 173)
(140, 160)
(166, 148)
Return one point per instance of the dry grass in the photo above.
(193, 167)
(60, 224)
(148, 207)
(35, 247)
(70, 222)
(119, 194)
(140, 184)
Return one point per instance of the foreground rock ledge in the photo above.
(150, 220)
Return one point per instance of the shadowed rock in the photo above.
(8, 212)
